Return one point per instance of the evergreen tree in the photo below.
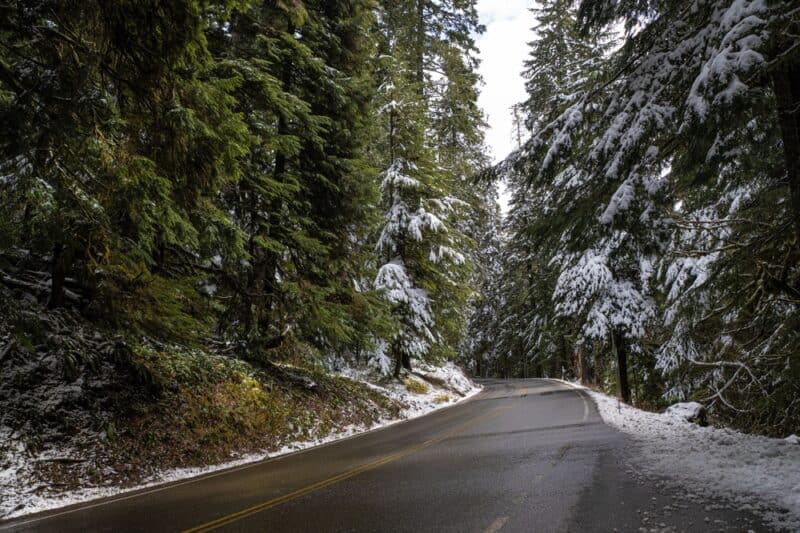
(415, 244)
(481, 346)
(553, 223)
(693, 93)
(213, 173)
(431, 146)
(115, 138)
(645, 187)
(305, 200)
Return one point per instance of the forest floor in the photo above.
(752, 472)
(84, 416)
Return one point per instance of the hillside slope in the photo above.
(85, 413)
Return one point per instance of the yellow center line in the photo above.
(233, 517)
(497, 525)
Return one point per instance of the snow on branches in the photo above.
(417, 251)
(589, 288)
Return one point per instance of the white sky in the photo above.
(503, 48)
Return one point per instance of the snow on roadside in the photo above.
(756, 473)
(18, 497)
(457, 387)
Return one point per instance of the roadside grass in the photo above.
(213, 410)
(415, 386)
(90, 408)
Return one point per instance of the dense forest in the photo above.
(652, 246)
(260, 178)
(210, 210)
(192, 190)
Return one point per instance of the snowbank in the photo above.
(689, 411)
(455, 387)
(18, 496)
(754, 472)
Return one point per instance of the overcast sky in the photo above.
(503, 48)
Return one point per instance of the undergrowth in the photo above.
(104, 409)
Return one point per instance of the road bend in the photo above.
(522, 456)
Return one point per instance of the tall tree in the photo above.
(427, 126)
(116, 138)
(415, 245)
(653, 176)
(709, 75)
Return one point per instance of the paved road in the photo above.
(524, 455)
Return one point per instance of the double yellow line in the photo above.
(244, 513)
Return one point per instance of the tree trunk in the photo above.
(407, 361)
(562, 354)
(261, 293)
(398, 365)
(420, 51)
(580, 365)
(786, 82)
(401, 361)
(618, 340)
(58, 275)
(391, 136)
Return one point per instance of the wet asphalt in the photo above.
(522, 456)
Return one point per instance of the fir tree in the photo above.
(649, 172)
(431, 146)
(414, 246)
(687, 86)
(116, 137)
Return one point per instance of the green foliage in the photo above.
(429, 143)
(655, 218)
(207, 173)
(415, 386)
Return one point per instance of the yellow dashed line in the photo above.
(244, 513)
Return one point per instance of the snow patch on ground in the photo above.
(455, 387)
(688, 411)
(757, 473)
(18, 497)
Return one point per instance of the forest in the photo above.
(652, 245)
(265, 176)
(200, 199)
(211, 210)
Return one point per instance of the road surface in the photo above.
(523, 455)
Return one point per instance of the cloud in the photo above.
(503, 49)
(493, 10)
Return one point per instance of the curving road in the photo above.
(523, 455)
